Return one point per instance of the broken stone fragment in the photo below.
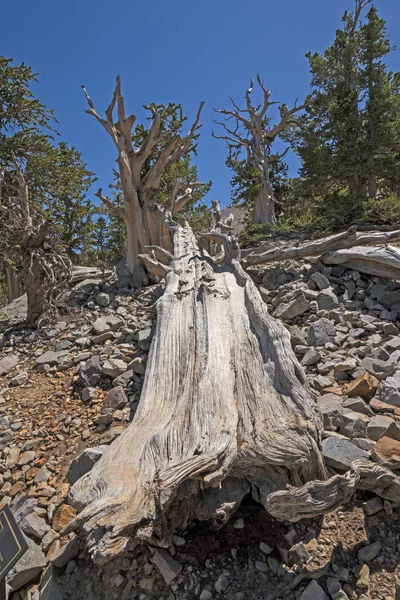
(389, 390)
(114, 367)
(314, 592)
(340, 453)
(50, 358)
(297, 306)
(28, 566)
(90, 371)
(368, 553)
(372, 506)
(387, 452)
(115, 399)
(168, 567)
(331, 409)
(144, 338)
(321, 332)
(364, 386)
(7, 363)
(63, 516)
(378, 426)
(65, 553)
(84, 463)
(33, 525)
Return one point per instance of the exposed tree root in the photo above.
(319, 497)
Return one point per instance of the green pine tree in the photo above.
(348, 139)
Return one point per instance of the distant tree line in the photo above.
(346, 134)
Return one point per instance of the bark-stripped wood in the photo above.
(225, 411)
(384, 262)
(319, 497)
(319, 247)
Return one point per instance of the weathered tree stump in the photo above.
(225, 411)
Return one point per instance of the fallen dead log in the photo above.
(81, 273)
(344, 240)
(383, 262)
(225, 411)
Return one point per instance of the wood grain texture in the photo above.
(319, 497)
(225, 411)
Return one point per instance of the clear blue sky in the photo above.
(180, 51)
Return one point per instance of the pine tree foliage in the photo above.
(349, 138)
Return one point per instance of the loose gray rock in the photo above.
(297, 336)
(28, 567)
(124, 379)
(369, 552)
(389, 390)
(311, 357)
(19, 379)
(299, 554)
(357, 404)
(33, 525)
(320, 280)
(222, 583)
(321, 332)
(115, 398)
(313, 592)
(115, 322)
(50, 358)
(373, 506)
(84, 463)
(378, 426)
(88, 393)
(327, 299)
(340, 453)
(331, 409)
(354, 425)
(103, 299)
(292, 309)
(90, 371)
(103, 337)
(381, 369)
(138, 365)
(144, 338)
(7, 363)
(63, 345)
(101, 327)
(168, 567)
(114, 367)
(66, 553)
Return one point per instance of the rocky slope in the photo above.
(67, 394)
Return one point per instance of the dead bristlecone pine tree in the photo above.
(141, 170)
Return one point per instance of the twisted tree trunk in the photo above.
(141, 171)
(225, 411)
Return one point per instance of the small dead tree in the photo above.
(141, 177)
(251, 131)
(44, 272)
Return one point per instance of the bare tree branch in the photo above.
(111, 207)
(186, 147)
